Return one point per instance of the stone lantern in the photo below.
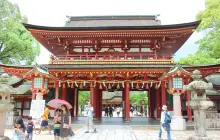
(200, 104)
(5, 100)
(40, 79)
(175, 78)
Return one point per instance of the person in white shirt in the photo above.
(118, 110)
(89, 119)
(163, 124)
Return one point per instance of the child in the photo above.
(19, 133)
(30, 128)
(57, 123)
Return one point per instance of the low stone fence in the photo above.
(9, 122)
(213, 120)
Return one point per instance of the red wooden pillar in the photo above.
(163, 91)
(152, 106)
(64, 90)
(99, 104)
(72, 101)
(189, 111)
(127, 102)
(33, 92)
(91, 93)
(158, 103)
(123, 103)
(33, 95)
(77, 103)
(57, 89)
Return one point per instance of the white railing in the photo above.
(212, 120)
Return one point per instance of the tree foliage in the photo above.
(209, 45)
(137, 98)
(17, 46)
(83, 96)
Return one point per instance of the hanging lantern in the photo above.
(100, 86)
(118, 86)
(72, 85)
(123, 84)
(76, 84)
(81, 86)
(132, 85)
(137, 86)
(147, 87)
(63, 85)
(143, 85)
(109, 86)
(84, 83)
(151, 84)
(68, 83)
(104, 83)
(59, 83)
(127, 84)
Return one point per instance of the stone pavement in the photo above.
(122, 132)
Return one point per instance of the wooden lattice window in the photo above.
(38, 82)
(177, 82)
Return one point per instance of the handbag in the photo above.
(71, 133)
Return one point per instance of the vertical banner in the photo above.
(37, 110)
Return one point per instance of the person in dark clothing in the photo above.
(106, 111)
(110, 111)
(30, 128)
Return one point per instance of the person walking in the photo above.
(45, 117)
(118, 110)
(106, 111)
(65, 128)
(110, 111)
(165, 122)
(131, 110)
(30, 128)
(89, 119)
(19, 130)
(57, 123)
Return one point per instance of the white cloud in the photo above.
(53, 12)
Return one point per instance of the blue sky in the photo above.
(53, 13)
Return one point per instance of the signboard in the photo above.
(37, 110)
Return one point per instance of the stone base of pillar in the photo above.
(199, 138)
(39, 96)
(2, 123)
(178, 123)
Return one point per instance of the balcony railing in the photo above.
(98, 59)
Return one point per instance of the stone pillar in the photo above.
(178, 123)
(39, 96)
(127, 102)
(2, 123)
(57, 89)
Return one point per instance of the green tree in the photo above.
(17, 46)
(209, 45)
(137, 98)
(83, 96)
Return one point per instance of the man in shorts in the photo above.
(44, 122)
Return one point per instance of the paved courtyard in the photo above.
(121, 132)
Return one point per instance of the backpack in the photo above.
(167, 118)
